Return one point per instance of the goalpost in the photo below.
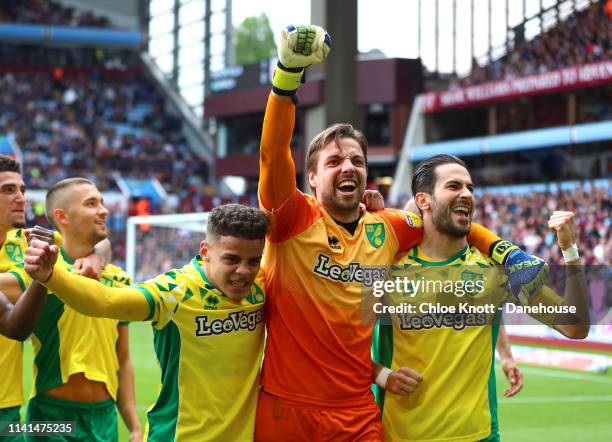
(157, 243)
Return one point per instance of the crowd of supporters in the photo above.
(523, 218)
(83, 121)
(584, 37)
(50, 13)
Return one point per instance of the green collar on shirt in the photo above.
(459, 255)
(68, 260)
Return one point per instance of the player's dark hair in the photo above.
(53, 195)
(424, 176)
(238, 221)
(334, 133)
(7, 164)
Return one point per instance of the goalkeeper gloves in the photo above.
(526, 273)
(298, 48)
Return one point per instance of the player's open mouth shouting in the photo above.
(462, 210)
(347, 186)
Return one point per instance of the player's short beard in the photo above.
(96, 236)
(441, 217)
(19, 224)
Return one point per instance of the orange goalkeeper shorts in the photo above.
(282, 420)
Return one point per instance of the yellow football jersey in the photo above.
(66, 342)
(209, 348)
(11, 260)
(449, 338)
(453, 352)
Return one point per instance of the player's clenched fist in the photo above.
(39, 260)
(301, 46)
(563, 224)
(403, 381)
(298, 48)
(41, 234)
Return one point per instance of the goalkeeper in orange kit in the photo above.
(322, 250)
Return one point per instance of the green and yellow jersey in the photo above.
(449, 337)
(11, 260)
(66, 342)
(210, 349)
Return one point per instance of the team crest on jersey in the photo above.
(376, 234)
(256, 295)
(467, 275)
(15, 253)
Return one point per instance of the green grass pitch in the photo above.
(555, 405)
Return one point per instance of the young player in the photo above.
(207, 319)
(12, 245)
(82, 364)
(322, 252)
(447, 384)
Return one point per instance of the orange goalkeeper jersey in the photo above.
(318, 344)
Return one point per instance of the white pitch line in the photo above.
(569, 375)
(554, 399)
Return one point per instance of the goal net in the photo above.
(157, 243)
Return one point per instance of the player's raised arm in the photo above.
(571, 316)
(298, 47)
(85, 295)
(573, 325)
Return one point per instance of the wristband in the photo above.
(381, 378)
(500, 250)
(571, 253)
(286, 80)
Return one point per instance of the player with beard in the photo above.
(13, 243)
(81, 364)
(16, 321)
(322, 251)
(444, 370)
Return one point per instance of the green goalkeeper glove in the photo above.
(298, 48)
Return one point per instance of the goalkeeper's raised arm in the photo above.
(298, 47)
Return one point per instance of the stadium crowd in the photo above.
(583, 37)
(88, 122)
(49, 12)
(523, 219)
